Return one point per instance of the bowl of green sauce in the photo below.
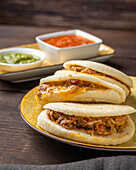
(17, 59)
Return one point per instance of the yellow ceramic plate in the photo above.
(30, 110)
(47, 68)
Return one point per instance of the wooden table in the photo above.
(19, 143)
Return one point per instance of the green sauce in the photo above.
(18, 58)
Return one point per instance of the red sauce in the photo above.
(68, 41)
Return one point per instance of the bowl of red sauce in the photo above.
(68, 45)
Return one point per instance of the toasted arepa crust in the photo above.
(114, 139)
(102, 68)
(87, 110)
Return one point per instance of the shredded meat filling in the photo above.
(90, 71)
(86, 70)
(92, 125)
(73, 85)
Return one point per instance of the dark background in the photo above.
(91, 14)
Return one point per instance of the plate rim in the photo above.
(68, 141)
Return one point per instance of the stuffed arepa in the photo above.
(99, 70)
(71, 86)
(104, 124)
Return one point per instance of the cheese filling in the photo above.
(103, 126)
(73, 85)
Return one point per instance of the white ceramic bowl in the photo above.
(19, 67)
(60, 55)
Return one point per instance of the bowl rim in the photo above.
(42, 55)
(40, 37)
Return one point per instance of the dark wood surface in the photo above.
(100, 14)
(19, 143)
